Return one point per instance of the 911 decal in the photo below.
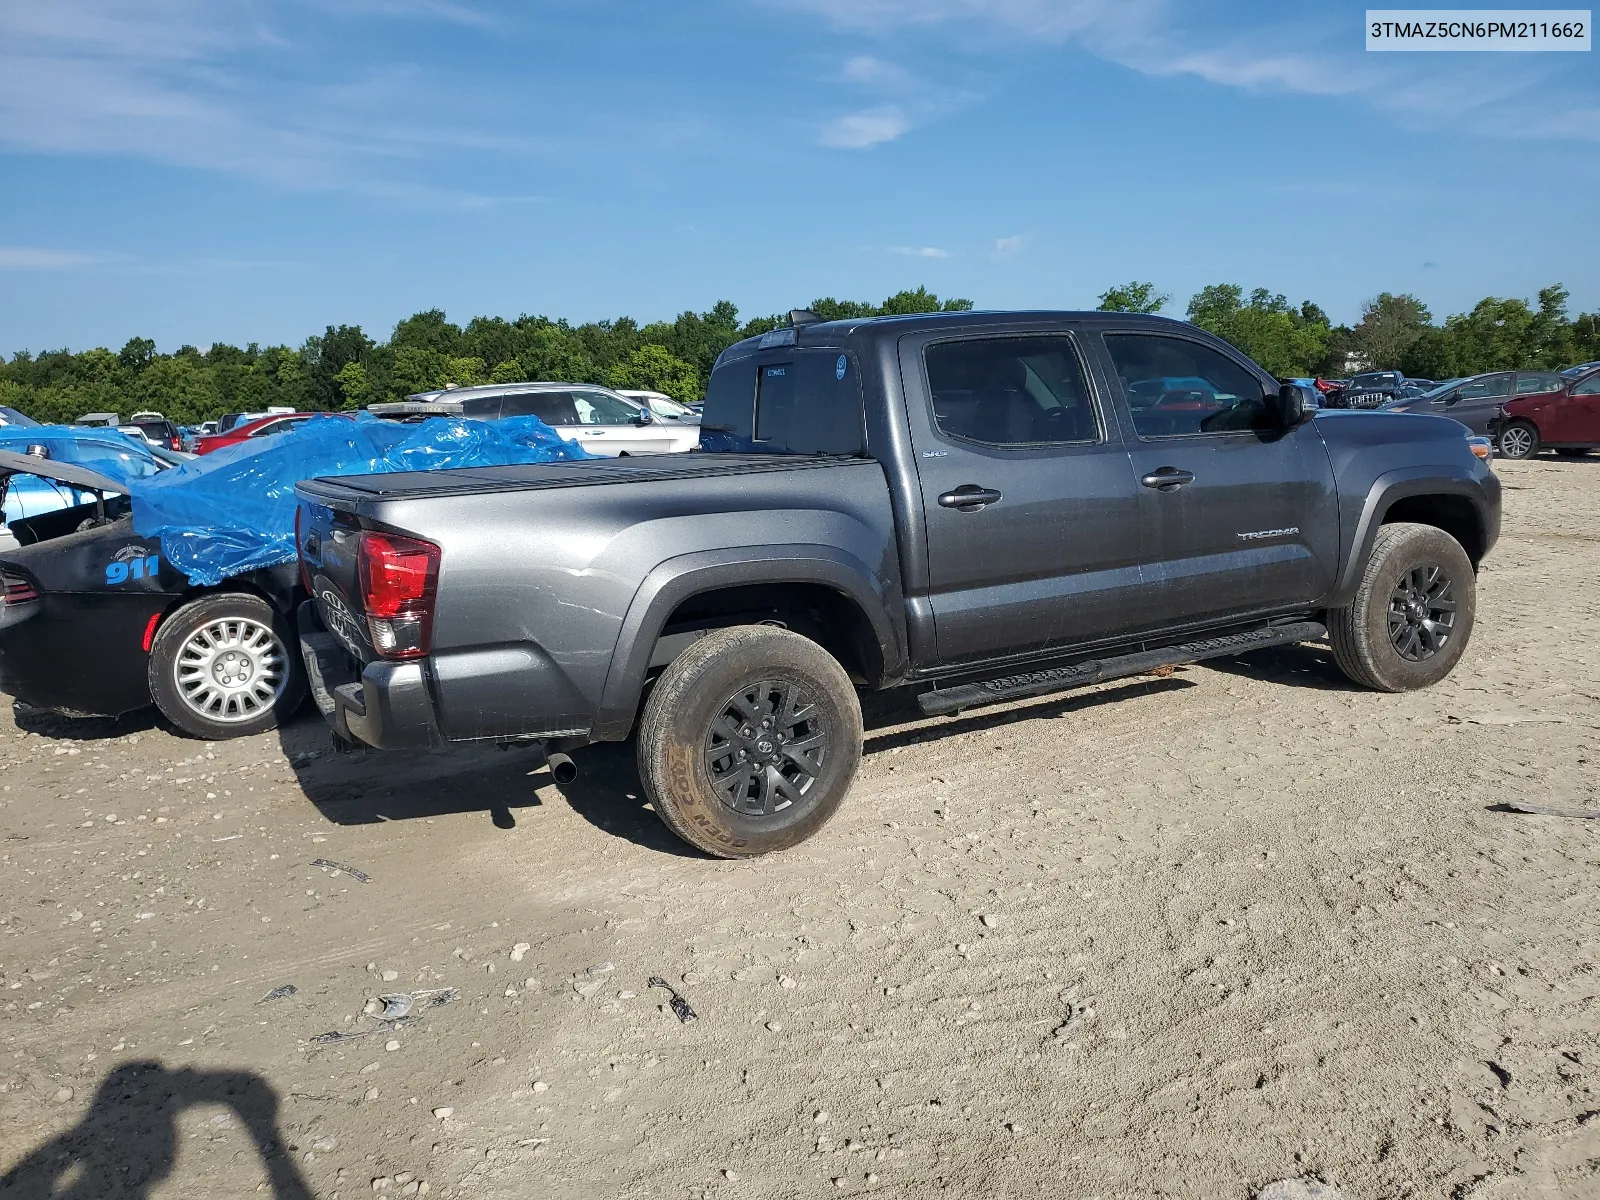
(140, 567)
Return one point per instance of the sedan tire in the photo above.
(1520, 439)
(226, 666)
(749, 741)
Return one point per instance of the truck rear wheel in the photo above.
(225, 666)
(750, 741)
(1412, 614)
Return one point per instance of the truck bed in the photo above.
(347, 492)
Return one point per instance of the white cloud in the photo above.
(211, 84)
(1311, 51)
(861, 130)
(33, 258)
(1007, 246)
(920, 251)
(865, 69)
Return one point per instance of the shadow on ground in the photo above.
(127, 1143)
(367, 787)
(1304, 664)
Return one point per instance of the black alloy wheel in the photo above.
(766, 748)
(1422, 612)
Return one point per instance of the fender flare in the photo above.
(1388, 488)
(677, 579)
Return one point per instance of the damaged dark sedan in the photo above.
(95, 622)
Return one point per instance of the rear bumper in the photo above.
(387, 706)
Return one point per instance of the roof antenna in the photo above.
(803, 316)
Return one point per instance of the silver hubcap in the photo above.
(1515, 443)
(231, 670)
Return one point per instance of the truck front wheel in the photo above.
(749, 741)
(1412, 614)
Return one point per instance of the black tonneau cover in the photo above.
(539, 476)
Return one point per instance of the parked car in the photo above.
(662, 407)
(596, 418)
(1565, 420)
(260, 427)
(10, 416)
(977, 507)
(1475, 401)
(157, 430)
(26, 494)
(100, 623)
(228, 420)
(1582, 368)
(1370, 389)
(103, 451)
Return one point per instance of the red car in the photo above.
(1566, 421)
(260, 427)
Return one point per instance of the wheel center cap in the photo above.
(764, 746)
(231, 669)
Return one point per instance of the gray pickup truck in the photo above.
(975, 507)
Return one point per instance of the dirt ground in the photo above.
(1175, 937)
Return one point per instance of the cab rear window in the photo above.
(785, 402)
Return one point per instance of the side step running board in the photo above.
(944, 703)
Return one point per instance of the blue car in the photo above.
(100, 450)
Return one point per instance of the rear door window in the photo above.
(1489, 386)
(1537, 383)
(1019, 391)
(553, 408)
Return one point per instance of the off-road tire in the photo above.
(1359, 633)
(676, 731)
(176, 631)
(1519, 448)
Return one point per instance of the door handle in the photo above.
(969, 497)
(1167, 479)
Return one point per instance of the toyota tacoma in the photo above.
(973, 507)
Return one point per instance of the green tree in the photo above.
(1133, 297)
(327, 355)
(137, 353)
(1388, 325)
(1281, 338)
(355, 389)
(656, 369)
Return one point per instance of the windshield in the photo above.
(1375, 379)
(10, 416)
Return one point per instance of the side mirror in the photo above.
(1292, 406)
(643, 417)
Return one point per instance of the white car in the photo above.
(596, 418)
(662, 406)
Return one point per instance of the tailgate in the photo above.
(328, 543)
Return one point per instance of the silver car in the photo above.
(596, 418)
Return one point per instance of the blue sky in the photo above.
(238, 170)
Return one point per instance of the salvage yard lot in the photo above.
(1176, 936)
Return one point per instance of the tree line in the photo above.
(344, 368)
(1395, 332)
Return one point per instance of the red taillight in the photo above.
(18, 591)
(398, 577)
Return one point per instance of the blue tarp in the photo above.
(232, 511)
